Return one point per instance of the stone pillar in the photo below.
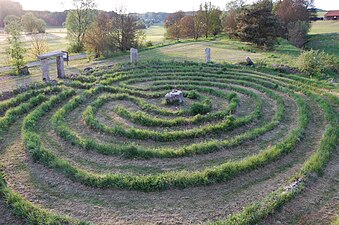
(60, 66)
(134, 55)
(207, 55)
(45, 70)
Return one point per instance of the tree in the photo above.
(203, 18)
(198, 25)
(297, 32)
(230, 23)
(8, 7)
(187, 27)
(33, 24)
(173, 25)
(257, 24)
(78, 21)
(40, 25)
(206, 18)
(12, 22)
(289, 11)
(215, 21)
(99, 38)
(16, 51)
(39, 44)
(206, 21)
(125, 30)
(230, 19)
(235, 4)
(294, 17)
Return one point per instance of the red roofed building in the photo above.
(332, 15)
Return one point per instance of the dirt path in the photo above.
(317, 204)
(6, 216)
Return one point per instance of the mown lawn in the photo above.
(324, 35)
(325, 27)
(155, 33)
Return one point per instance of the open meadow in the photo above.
(155, 33)
(56, 39)
(249, 145)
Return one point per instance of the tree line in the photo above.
(205, 22)
(9, 7)
(102, 33)
(260, 23)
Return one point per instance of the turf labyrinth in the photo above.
(106, 149)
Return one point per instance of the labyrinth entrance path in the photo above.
(105, 148)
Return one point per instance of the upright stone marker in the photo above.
(45, 70)
(60, 66)
(134, 55)
(207, 55)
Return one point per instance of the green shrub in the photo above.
(149, 44)
(192, 95)
(201, 108)
(75, 48)
(315, 63)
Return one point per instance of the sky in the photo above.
(142, 6)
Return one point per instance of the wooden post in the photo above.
(45, 70)
(207, 55)
(60, 66)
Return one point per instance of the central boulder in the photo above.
(175, 96)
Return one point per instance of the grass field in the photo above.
(155, 33)
(245, 147)
(325, 27)
(324, 35)
(56, 38)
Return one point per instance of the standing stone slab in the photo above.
(45, 67)
(60, 67)
(45, 70)
(207, 55)
(134, 55)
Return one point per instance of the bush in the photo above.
(149, 44)
(315, 63)
(192, 95)
(75, 48)
(201, 108)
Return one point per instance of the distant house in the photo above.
(332, 15)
